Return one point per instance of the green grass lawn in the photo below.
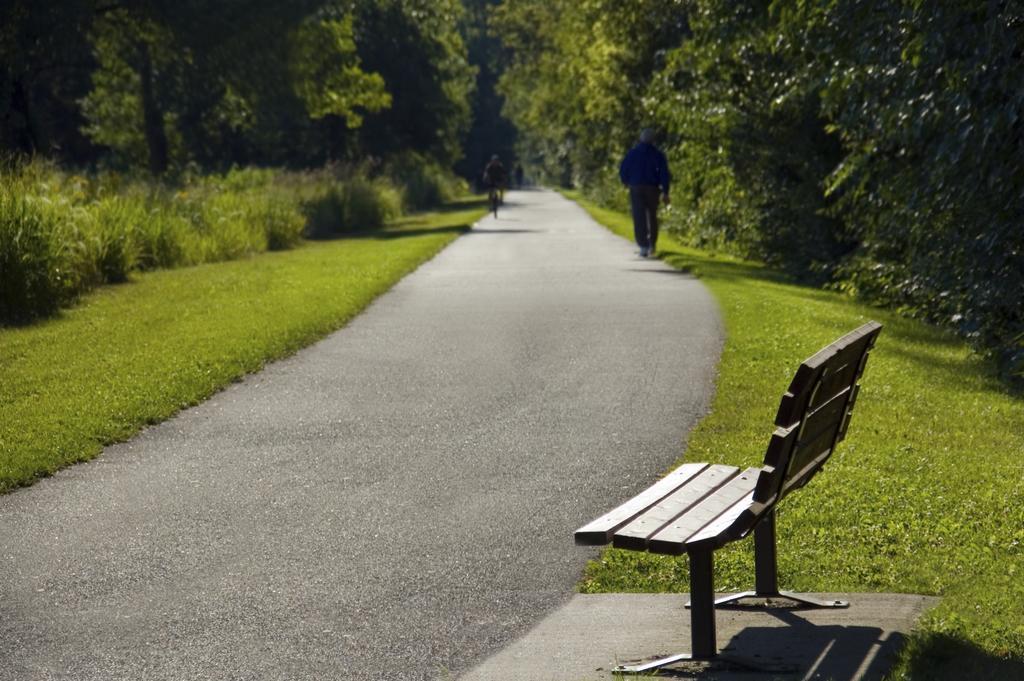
(134, 354)
(924, 496)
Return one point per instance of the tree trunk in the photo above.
(29, 138)
(152, 117)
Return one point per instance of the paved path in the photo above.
(395, 502)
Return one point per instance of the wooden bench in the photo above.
(700, 507)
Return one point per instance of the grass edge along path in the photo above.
(135, 354)
(924, 496)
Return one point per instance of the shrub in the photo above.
(164, 237)
(423, 183)
(112, 226)
(226, 230)
(31, 277)
(281, 220)
(368, 204)
(324, 212)
(355, 204)
(244, 179)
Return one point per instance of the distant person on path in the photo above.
(645, 171)
(495, 176)
(519, 175)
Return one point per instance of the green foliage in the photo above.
(44, 69)
(325, 213)
(162, 86)
(165, 237)
(424, 183)
(927, 100)
(109, 237)
(351, 202)
(283, 226)
(368, 204)
(416, 46)
(31, 280)
(115, 108)
(326, 74)
(578, 102)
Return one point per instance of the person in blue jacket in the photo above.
(645, 171)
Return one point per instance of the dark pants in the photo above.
(643, 199)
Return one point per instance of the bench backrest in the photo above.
(814, 415)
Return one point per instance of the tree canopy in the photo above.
(159, 84)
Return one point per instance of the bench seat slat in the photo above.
(600, 531)
(713, 531)
(707, 484)
(672, 539)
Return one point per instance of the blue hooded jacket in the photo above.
(644, 164)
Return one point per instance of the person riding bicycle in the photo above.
(495, 177)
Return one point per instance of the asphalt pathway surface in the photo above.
(394, 502)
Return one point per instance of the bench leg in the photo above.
(766, 573)
(702, 618)
(702, 600)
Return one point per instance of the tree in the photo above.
(415, 45)
(580, 103)
(166, 92)
(126, 107)
(325, 72)
(44, 68)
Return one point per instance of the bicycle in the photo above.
(493, 199)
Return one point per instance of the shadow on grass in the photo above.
(459, 205)
(672, 273)
(940, 657)
(399, 230)
(415, 224)
(723, 269)
(405, 232)
(484, 230)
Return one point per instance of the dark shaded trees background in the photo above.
(165, 85)
(873, 147)
(490, 132)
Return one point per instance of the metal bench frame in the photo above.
(812, 419)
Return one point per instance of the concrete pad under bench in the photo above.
(586, 638)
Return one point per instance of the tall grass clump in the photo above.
(370, 203)
(324, 212)
(281, 221)
(243, 212)
(32, 281)
(108, 237)
(424, 183)
(63, 234)
(165, 238)
(347, 200)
